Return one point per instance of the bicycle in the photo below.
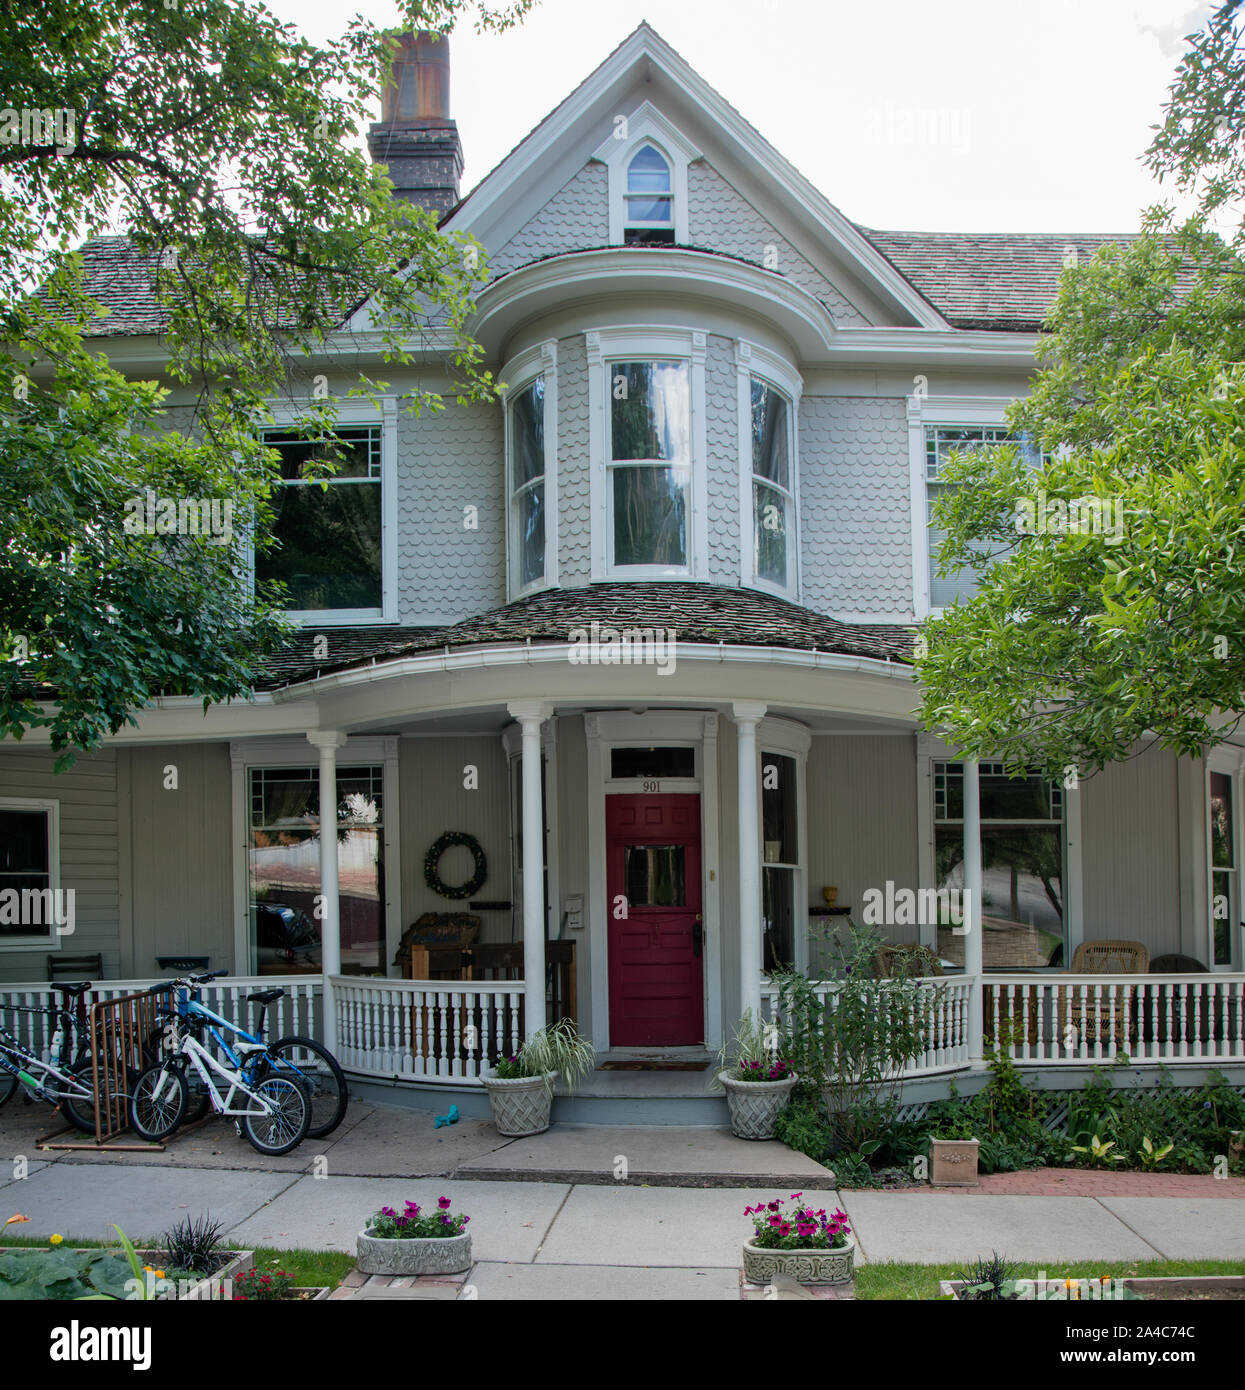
(274, 1117)
(67, 1079)
(294, 1056)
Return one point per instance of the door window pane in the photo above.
(655, 875)
(652, 762)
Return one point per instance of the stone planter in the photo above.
(755, 1105)
(314, 1293)
(434, 1255)
(522, 1106)
(953, 1162)
(804, 1266)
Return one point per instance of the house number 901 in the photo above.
(652, 786)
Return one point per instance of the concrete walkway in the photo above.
(589, 1238)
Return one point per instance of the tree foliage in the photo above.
(220, 143)
(1113, 599)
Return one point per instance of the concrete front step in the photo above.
(653, 1156)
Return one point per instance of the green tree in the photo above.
(1122, 615)
(220, 143)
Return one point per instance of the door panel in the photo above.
(656, 931)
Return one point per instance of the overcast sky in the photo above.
(931, 115)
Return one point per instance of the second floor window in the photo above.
(328, 528)
(940, 443)
(650, 464)
(773, 499)
(527, 484)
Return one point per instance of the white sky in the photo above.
(930, 115)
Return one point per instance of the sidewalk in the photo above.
(587, 1237)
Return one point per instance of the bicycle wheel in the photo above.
(158, 1104)
(285, 1124)
(318, 1069)
(77, 1109)
(8, 1084)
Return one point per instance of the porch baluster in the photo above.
(1196, 1030)
(1169, 1047)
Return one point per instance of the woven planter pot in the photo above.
(804, 1266)
(756, 1105)
(434, 1255)
(521, 1106)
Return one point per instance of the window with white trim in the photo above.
(328, 526)
(1223, 840)
(648, 203)
(941, 441)
(31, 905)
(527, 486)
(1023, 847)
(780, 858)
(773, 487)
(649, 465)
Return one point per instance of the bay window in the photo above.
(649, 465)
(773, 495)
(527, 486)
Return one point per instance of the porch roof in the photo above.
(701, 613)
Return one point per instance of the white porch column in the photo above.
(531, 714)
(972, 919)
(747, 715)
(328, 741)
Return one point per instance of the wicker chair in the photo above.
(1092, 1017)
(911, 961)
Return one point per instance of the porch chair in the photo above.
(1092, 1017)
(89, 967)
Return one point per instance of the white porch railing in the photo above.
(297, 1013)
(943, 1006)
(422, 1030)
(1153, 1019)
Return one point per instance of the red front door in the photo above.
(656, 932)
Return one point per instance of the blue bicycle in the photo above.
(246, 1064)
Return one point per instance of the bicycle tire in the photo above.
(284, 1129)
(80, 1111)
(8, 1087)
(155, 1116)
(330, 1094)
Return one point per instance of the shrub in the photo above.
(192, 1245)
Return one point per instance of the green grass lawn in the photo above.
(310, 1268)
(896, 1281)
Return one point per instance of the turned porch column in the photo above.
(531, 714)
(328, 741)
(972, 907)
(747, 715)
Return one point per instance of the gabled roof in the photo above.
(699, 613)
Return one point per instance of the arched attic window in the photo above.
(648, 203)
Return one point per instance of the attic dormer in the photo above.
(646, 159)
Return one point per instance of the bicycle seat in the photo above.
(265, 996)
(76, 991)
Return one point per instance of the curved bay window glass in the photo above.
(284, 870)
(648, 203)
(773, 500)
(650, 463)
(327, 526)
(1022, 862)
(1224, 881)
(527, 483)
(780, 848)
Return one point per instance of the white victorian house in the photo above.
(638, 640)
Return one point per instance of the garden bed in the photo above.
(61, 1273)
(1216, 1288)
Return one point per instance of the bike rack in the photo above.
(118, 1028)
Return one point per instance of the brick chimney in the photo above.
(415, 138)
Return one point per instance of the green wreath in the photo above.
(433, 858)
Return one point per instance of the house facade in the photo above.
(637, 638)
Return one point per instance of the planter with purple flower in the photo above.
(415, 1241)
(809, 1246)
(759, 1082)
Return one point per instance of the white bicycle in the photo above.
(273, 1112)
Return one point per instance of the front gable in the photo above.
(560, 190)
